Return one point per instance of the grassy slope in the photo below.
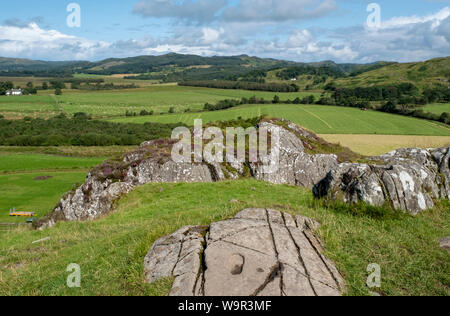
(422, 74)
(19, 189)
(320, 119)
(111, 250)
(438, 108)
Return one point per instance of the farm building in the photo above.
(14, 92)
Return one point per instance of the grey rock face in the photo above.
(408, 179)
(296, 167)
(445, 243)
(151, 163)
(258, 253)
(97, 195)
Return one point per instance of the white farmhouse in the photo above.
(14, 92)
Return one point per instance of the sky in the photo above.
(345, 31)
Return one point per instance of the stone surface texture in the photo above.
(260, 252)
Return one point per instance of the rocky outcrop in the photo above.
(110, 181)
(296, 166)
(257, 253)
(151, 163)
(407, 179)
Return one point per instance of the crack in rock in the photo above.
(280, 257)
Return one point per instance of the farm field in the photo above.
(42, 105)
(22, 191)
(36, 182)
(437, 108)
(111, 250)
(157, 98)
(374, 145)
(320, 119)
(13, 163)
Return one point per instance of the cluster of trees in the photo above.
(322, 72)
(79, 130)
(99, 86)
(403, 99)
(5, 86)
(222, 105)
(227, 104)
(404, 93)
(243, 85)
(8, 85)
(376, 93)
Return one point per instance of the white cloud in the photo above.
(34, 42)
(211, 36)
(400, 39)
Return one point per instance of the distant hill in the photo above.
(177, 67)
(421, 74)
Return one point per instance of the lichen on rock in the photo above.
(410, 180)
(260, 252)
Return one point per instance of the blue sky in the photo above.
(301, 30)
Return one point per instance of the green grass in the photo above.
(320, 119)
(20, 189)
(111, 251)
(26, 194)
(36, 106)
(33, 162)
(437, 108)
(69, 151)
(158, 98)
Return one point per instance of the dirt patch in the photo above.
(42, 178)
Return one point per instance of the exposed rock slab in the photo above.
(257, 253)
(151, 163)
(445, 243)
(407, 179)
(296, 166)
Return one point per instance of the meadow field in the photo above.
(437, 108)
(319, 119)
(111, 250)
(114, 103)
(374, 145)
(33, 182)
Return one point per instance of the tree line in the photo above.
(79, 130)
(243, 85)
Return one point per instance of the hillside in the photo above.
(422, 74)
(178, 67)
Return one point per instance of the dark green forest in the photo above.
(78, 130)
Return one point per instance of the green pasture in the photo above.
(23, 184)
(320, 119)
(437, 108)
(157, 98)
(14, 163)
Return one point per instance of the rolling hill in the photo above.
(422, 74)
